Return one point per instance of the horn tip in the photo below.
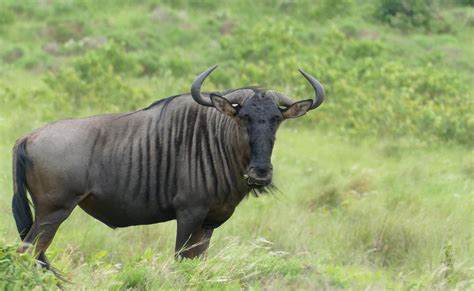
(210, 70)
(306, 75)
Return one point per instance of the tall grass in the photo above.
(376, 186)
(348, 214)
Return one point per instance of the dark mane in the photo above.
(164, 101)
(161, 101)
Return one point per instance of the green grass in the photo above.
(350, 215)
(376, 186)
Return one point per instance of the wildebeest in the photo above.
(190, 157)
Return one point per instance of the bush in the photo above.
(410, 14)
(20, 271)
(466, 2)
(376, 96)
(271, 50)
(110, 55)
(6, 17)
(96, 80)
(64, 30)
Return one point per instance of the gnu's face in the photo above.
(259, 118)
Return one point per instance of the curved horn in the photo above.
(318, 89)
(196, 87)
(280, 99)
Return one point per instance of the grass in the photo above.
(376, 186)
(349, 215)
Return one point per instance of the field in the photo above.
(376, 187)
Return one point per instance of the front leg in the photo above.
(197, 244)
(191, 239)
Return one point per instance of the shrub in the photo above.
(110, 55)
(96, 80)
(64, 30)
(376, 96)
(20, 271)
(6, 17)
(466, 2)
(409, 14)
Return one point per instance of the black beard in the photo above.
(258, 190)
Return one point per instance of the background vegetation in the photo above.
(376, 185)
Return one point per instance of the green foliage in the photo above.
(6, 17)
(64, 30)
(373, 87)
(97, 80)
(425, 101)
(111, 55)
(410, 14)
(134, 277)
(20, 271)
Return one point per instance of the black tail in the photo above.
(20, 204)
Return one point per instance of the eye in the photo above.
(282, 108)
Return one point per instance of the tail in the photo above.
(20, 204)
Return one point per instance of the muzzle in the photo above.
(259, 175)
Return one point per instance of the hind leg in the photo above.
(44, 228)
(48, 218)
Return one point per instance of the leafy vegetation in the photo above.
(21, 271)
(375, 186)
(421, 14)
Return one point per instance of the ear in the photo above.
(223, 105)
(297, 109)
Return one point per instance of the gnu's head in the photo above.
(258, 114)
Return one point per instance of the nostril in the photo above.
(262, 171)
